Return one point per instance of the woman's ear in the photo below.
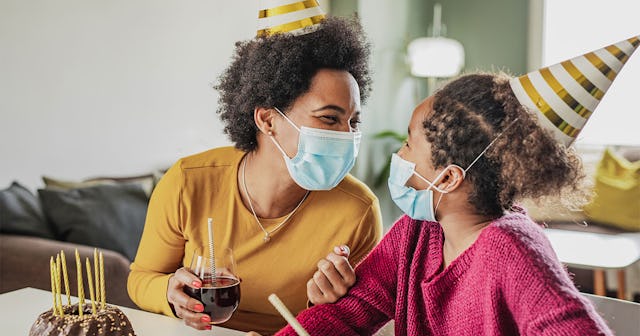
(451, 179)
(264, 118)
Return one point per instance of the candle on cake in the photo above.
(66, 278)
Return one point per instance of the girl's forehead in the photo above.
(422, 112)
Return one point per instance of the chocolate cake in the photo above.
(108, 321)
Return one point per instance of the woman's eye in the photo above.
(330, 119)
(405, 143)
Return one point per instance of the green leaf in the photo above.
(390, 134)
(382, 177)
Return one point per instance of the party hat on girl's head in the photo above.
(565, 95)
(288, 16)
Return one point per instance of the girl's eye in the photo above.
(354, 123)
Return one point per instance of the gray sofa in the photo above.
(105, 213)
(24, 262)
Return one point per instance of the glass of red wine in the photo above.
(220, 292)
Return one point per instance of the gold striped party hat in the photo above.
(288, 16)
(565, 95)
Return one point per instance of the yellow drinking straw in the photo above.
(66, 278)
(53, 286)
(90, 282)
(80, 286)
(97, 275)
(102, 289)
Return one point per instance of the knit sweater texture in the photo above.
(508, 282)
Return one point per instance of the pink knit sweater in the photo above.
(509, 282)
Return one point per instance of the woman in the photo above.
(484, 267)
(281, 199)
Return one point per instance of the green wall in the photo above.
(493, 32)
(343, 7)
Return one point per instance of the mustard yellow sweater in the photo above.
(205, 185)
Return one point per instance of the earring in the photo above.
(270, 133)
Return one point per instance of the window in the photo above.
(575, 27)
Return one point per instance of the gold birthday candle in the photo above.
(80, 288)
(90, 283)
(66, 278)
(97, 275)
(102, 289)
(59, 285)
(53, 286)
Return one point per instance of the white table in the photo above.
(20, 309)
(598, 252)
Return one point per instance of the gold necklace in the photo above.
(267, 234)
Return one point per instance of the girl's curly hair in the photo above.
(524, 162)
(276, 70)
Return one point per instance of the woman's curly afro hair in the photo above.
(274, 71)
(524, 162)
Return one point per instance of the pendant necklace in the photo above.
(267, 234)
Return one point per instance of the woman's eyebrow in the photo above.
(331, 107)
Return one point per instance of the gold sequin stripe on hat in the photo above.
(291, 26)
(581, 79)
(601, 65)
(546, 110)
(635, 41)
(284, 9)
(563, 94)
(617, 53)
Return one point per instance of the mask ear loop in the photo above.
(287, 118)
(275, 142)
(432, 184)
(442, 192)
(489, 145)
(464, 171)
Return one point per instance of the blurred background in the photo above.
(119, 88)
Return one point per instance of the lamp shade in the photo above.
(435, 57)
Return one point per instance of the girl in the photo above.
(465, 260)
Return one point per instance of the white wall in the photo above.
(111, 87)
(582, 22)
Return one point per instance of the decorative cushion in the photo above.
(106, 216)
(21, 213)
(147, 182)
(617, 192)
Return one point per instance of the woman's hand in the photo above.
(333, 278)
(186, 307)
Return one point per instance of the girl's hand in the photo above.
(333, 278)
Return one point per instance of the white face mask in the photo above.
(324, 157)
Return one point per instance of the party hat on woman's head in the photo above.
(565, 95)
(288, 16)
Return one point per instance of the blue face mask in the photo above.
(324, 157)
(417, 204)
